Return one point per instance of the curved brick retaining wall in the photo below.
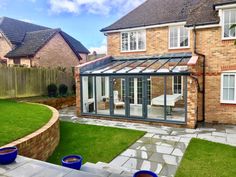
(40, 144)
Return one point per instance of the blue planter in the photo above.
(72, 161)
(142, 173)
(8, 155)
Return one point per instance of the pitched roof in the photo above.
(21, 33)
(156, 12)
(33, 42)
(15, 30)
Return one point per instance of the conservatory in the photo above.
(149, 88)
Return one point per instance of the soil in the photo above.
(72, 159)
(6, 151)
(144, 175)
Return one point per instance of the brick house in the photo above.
(169, 62)
(32, 45)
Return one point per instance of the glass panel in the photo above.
(183, 37)
(88, 93)
(102, 93)
(136, 97)
(156, 109)
(119, 89)
(125, 42)
(231, 94)
(141, 40)
(225, 81)
(131, 90)
(225, 94)
(173, 37)
(133, 40)
(231, 81)
(175, 102)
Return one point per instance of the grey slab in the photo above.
(140, 164)
(96, 171)
(80, 174)
(137, 154)
(119, 161)
(168, 170)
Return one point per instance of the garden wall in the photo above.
(42, 143)
(16, 82)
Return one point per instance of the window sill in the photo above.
(227, 103)
(133, 51)
(229, 39)
(179, 48)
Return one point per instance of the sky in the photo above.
(82, 19)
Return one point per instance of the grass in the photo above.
(20, 119)
(93, 143)
(208, 159)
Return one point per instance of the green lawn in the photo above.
(207, 159)
(93, 143)
(20, 119)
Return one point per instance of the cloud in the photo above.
(102, 49)
(101, 7)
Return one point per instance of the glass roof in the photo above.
(169, 64)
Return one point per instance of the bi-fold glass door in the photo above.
(127, 96)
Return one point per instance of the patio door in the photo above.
(118, 95)
(135, 96)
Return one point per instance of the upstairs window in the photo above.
(228, 88)
(229, 18)
(133, 41)
(178, 37)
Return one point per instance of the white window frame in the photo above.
(222, 87)
(137, 50)
(173, 84)
(223, 25)
(179, 47)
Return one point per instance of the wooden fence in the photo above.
(27, 82)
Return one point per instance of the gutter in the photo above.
(204, 74)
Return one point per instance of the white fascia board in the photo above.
(147, 27)
(227, 6)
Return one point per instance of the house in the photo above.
(32, 45)
(170, 62)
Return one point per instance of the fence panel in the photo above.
(26, 82)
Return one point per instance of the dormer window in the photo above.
(133, 41)
(178, 37)
(229, 18)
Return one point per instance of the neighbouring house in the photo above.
(170, 62)
(23, 43)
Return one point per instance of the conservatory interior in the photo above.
(149, 88)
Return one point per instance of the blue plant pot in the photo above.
(145, 173)
(72, 161)
(8, 155)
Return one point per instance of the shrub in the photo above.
(52, 90)
(74, 89)
(63, 90)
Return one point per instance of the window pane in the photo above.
(133, 41)
(225, 94)
(231, 94)
(226, 30)
(226, 17)
(231, 81)
(183, 37)
(225, 81)
(90, 87)
(103, 82)
(125, 42)
(173, 37)
(141, 40)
